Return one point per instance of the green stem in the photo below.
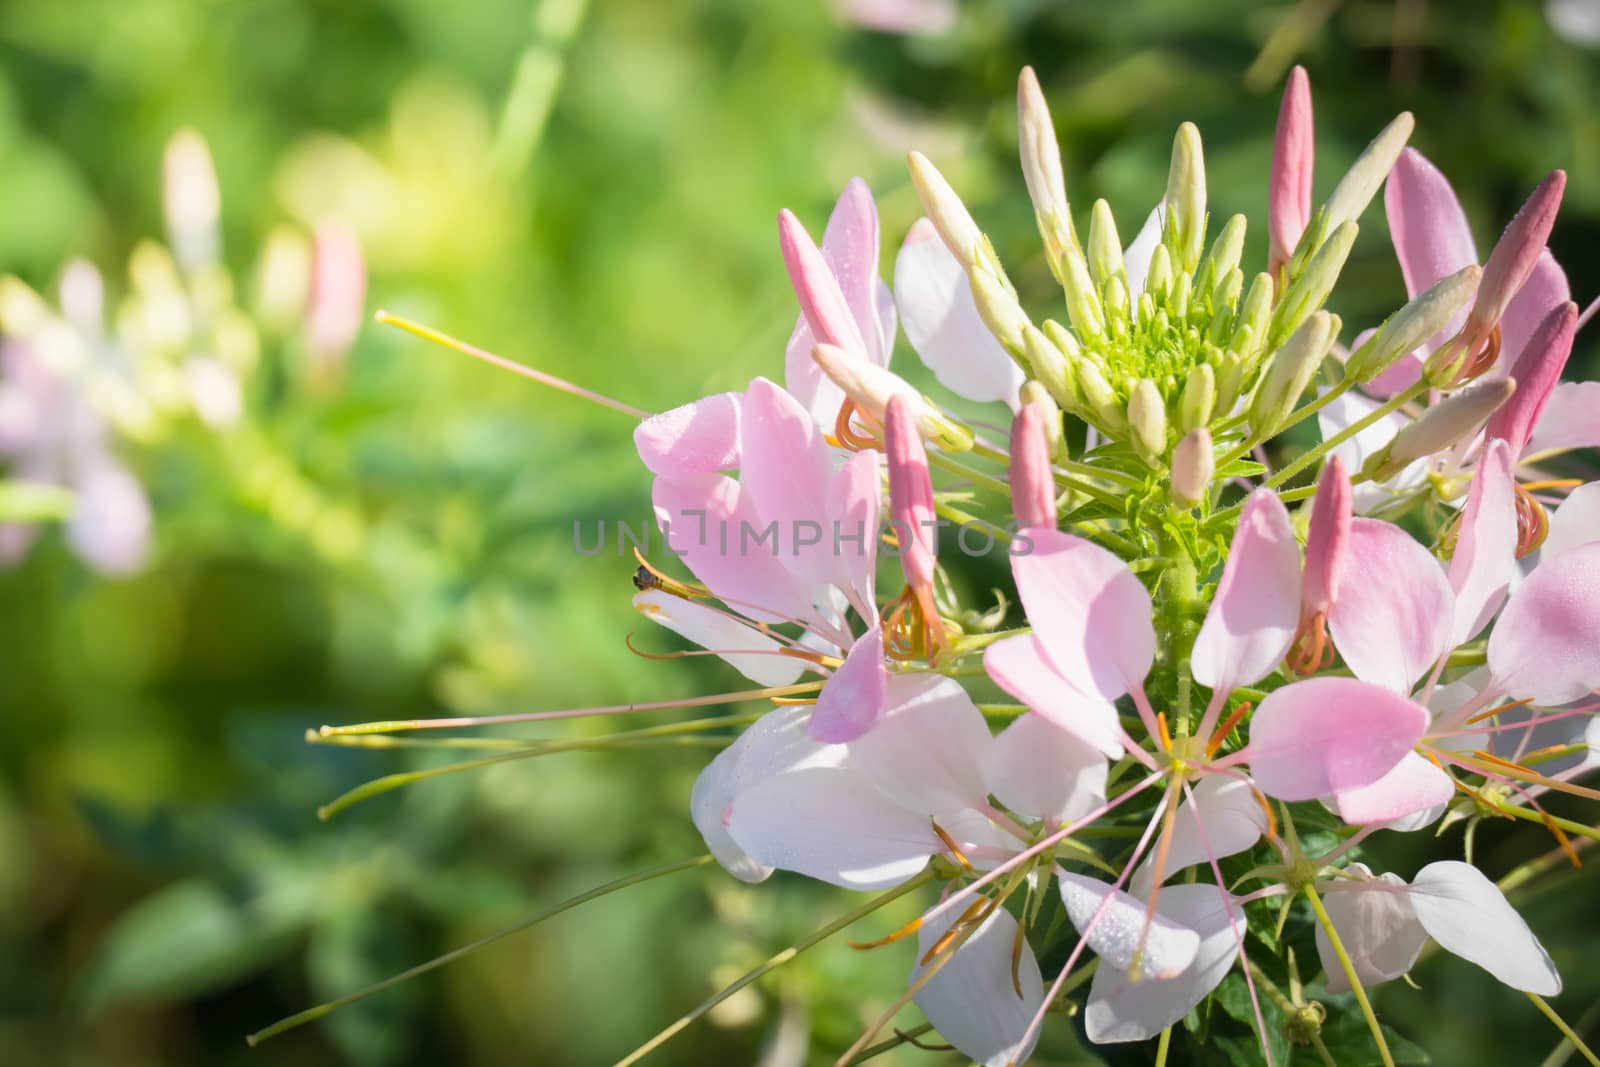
(1350, 972)
(1178, 595)
(1295, 418)
(901, 1037)
(1312, 455)
(1567, 1032)
(313, 1014)
(774, 963)
(1322, 1051)
(1163, 1046)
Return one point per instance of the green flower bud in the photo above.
(1186, 199)
(1199, 398)
(1105, 248)
(1000, 310)
(1423, 316)
(1083, 303)
(1230, 382)
(1159, 278)
(1051, 368)
(1442, 426)
(1036, 394)
(1312, 288)
(1361, 182)
(1099, 398)
(1147, 418)
(1225, 253)
(1290, 372)
(1254, 315)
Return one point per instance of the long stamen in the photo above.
(950, 843)
(814, 658)
(1533, 524)
(427, 333)
(1227, 728)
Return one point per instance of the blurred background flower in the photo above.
(337, 523)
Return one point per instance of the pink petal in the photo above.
(1486, 549)
(1115, 936)
(1413, 785)
(1121, 1010)
(710, 522)
(1090, 613)
(1328, 538)
(854, 505)
(910, 494)
(850, 247)
(1377, 926)
(1033, 483)
(110, 524)
(942, 321)
(698, 437)
(1020, 666)
(856, 694)
(1393, 615)
(1327, 735)
(1545, 290)
(930, 749)
(1543, 647)
(1042, 771)
(724, 634)
(1426, 223)
(1225, 818)
(1469, 916)
(1252, 618)
(787, 475)
(1519, 248)
(1576, 522)
(971, 1000)
(1536, 373)
(1293, 153)
(1571, 419)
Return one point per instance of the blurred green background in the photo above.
(590, 188)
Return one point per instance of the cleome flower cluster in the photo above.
(1225, 676)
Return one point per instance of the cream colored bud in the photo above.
(998, 307)
(1035, 394)
(1105, 247)
(1226, 251)
(1409, 328)
(1147, 419)
(1098, 397)
(1194, 464)
(1442, 426)
(1050, 368)
(870, 387)
(1230, 382)
(1083, 303)
(1158, 279)
(1292, 368)
(1254, 314)
(1362, 181)
(1198, 399)
(1313, 286)
(1186, 199)
(950, 216)
(1041, 153)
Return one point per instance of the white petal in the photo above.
(1136, 259)
(1469, 916)
(1377, 926)
(1119, 1010)
(1349, 409)
(1230, 817)
(1168, 948)
(723, 633)
(972, 1001)
(1576, 522)
(1042, 771)
(929, 750)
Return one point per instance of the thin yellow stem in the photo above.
(1350, 972)
(1567, 1032)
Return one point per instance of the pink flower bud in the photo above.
(335, 303)
(1536, 373)
(1293, 150)
(1327, 539)
(910, 493)
(1033, 486)
(1516, 253)
(821, 299)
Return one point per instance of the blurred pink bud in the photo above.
(83, 298)
(336, 301)
(192, 202)
(1033, 485)
(1536, 373)
(910, 493)
(1516, 253)
(911, 17)
(821, 299)
(1293, 150)
(1327, 540)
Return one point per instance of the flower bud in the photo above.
(1199, 397)
(1105, 247)
(1193, 466)
(1050, 367)
(1186, 199)
(1314, 284)
(192, 202)
(1292, 368)
(1536, 373)
(871, 387)
(1409, 328)
(334, 305)
(1158, 279)
(1224, 257)
(1035, 394)
(950, 216)
(821, 299)
(1147, 419)
(1083, 304)
(1254, 315)
(1230, 382)
(1361, 183)
(1451, 420)
(1098, 397)
(1326, 540)
(1293, 152)
(1033, 484)
(1515, 254)
(1041, 153)
(910, 493)
(999, 309)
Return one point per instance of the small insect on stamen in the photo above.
(650, 578)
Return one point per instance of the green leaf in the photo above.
(1350, 1042)
(186, 939)
(1233, 997)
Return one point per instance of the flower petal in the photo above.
(1392, 618)
(1252, 618)
(110, 523)
(1469, 916)
(1136, 259)
(1327, 735)
(787, 476)
(1413, 785)
(853, 699)
(1121, 1010)
(1429, 229)
(1020, 667)
(699, 436)
(1347, 410)
(1486, 549)
(1570, 419)
(1576, 522)
(930, 749)
(1545, 290)
(854, 504)
(1543, 647)
(971, 1000)
(1376, 925)
(942, 322)
(1169, 947)
(1043, 771)
(721, 632)
(1089, 612)
(1226, 818)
